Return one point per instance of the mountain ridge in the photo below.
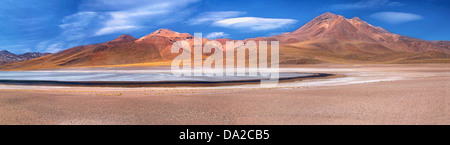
(328, 38)
(7, 57)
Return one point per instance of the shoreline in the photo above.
(155, 83)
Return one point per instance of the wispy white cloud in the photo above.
(75, 29)
(102, 17)
(366, 4)
(396, 17)
(210, 17)
(254, 23)
(112, 29)
(233, 19)
(215, 35)
(137, 14)
(51, 46)
(75, 26)
(55, 47)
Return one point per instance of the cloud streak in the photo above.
(74, 26)
(366, 4)
(254, 23)
(102, 17)
(396, 17)
(210, 17)
(215, 35)
(232, 19)
(144, 13)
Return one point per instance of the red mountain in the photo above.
(333, 38)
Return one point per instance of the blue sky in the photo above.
(55, 25)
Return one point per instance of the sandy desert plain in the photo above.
(355, 94)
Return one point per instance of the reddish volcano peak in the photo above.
(328, 16)
(324, 21)
(165, 32)
(125, 37)
(356, 19)
(168, 33)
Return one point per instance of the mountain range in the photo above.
(8, 57)
(328, 38)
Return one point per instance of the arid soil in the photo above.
(368, 94)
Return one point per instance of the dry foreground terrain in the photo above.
(367, 94)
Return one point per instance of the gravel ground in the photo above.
(410, 100)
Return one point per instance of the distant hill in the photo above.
(8, 57)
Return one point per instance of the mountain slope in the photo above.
(333, 38)
(124, 49)
(85, 55)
